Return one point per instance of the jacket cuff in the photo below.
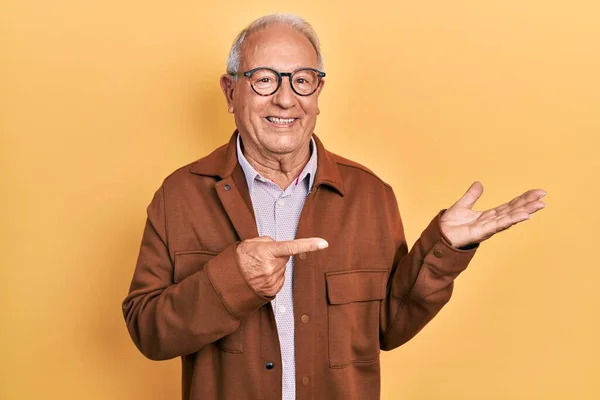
(440, 254)
(231, 286)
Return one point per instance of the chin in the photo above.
(282, 148)
(281, 143)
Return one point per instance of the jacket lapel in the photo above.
(231, 187)
(234, 196)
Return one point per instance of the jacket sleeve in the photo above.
(420, 281)
(167, 319)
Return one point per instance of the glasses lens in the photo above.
(305, 81)
(264, 81)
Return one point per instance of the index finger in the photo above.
(297, 246)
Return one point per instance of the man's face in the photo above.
(285, 50)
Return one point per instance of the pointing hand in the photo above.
(263, 260)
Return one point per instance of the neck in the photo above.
(281, 169)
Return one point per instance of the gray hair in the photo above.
(234, 60)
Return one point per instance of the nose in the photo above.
(285, 96)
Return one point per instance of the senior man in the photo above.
(278, 270)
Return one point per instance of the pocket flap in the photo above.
(356, 285)
(189, 262)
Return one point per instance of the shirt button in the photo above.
(305, 380)
(282, 309)
(302, 256)
(438, 253)
(280, 203)
(304, 318)
(269, 365)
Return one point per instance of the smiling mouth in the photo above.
(281, 121)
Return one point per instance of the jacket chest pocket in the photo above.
(188, 263)
(354, 300)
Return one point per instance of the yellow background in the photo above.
(100, 100)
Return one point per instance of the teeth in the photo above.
(281, 121)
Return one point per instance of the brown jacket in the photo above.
(364, 293)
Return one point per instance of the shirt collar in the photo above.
(223, 161)
(251, 174)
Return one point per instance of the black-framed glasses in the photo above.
(266, 81)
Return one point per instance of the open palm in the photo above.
(464, 226)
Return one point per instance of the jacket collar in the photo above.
(223, 161)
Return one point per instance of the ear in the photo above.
(319, 93)
(227, 84)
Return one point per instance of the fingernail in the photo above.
(322, 244)
(543, 195)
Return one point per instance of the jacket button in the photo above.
(269, 365)
(305, 380)
(438, 253)
(302, 256)
(227, 187)
(304, 318)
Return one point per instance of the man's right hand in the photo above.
(263, 260)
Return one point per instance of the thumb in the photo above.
(471, 196)
(297, 246)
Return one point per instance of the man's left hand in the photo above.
(464, 227)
